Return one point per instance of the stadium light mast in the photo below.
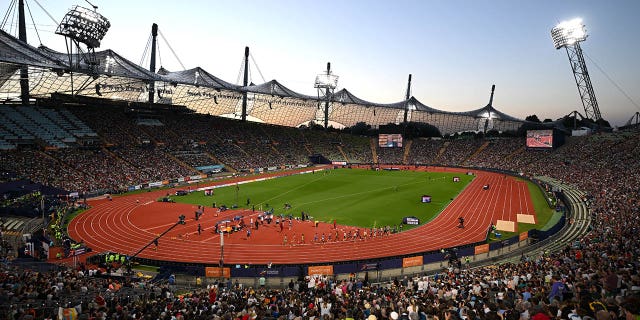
(568, 35)
(326, 84)
(407, 97)
(86, 26)
(152, 64)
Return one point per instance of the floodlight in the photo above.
(84, 25)
(567, 33)
(326, 80)
(487, 115)
(325, 84)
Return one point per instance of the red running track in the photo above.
(128, 223)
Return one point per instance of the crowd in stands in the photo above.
(458, 151)
(391, 155)
(497, 151)
(424, 151)
(356, 149)
(595, 279)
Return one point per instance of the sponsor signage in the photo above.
(412, 261)
(483, 248)
(320, 270)
(217, 272)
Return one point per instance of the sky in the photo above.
(455, 50)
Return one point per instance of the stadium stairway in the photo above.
(344, 155)
(407, 150)
(274, 149)
(117, 157)
(59, 161)
(306, 147)
(475, 153)
(513, 154)
(441, 151)
(214, 158)
(374, 153)
(181, 163)
(246, 154)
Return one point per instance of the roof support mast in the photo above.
(489, 108)
(24, 70)
(152, 66)
(245, 82)
(408, 95)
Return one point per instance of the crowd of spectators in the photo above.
(498, 150)
(390, 155)
(596, 278)
(457, 151)
(424, 151)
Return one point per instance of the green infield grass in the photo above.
(364, 198)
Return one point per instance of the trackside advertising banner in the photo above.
(254, 180)
(217, 272)
(483, 248)
(320, 270)
(412, 261)
(156, 184)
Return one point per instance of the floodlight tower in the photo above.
(86, 26)
(568, 35)
(326, 84)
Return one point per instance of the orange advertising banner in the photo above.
(483, 248)
(323, 270)
(524, 236)
(217, 272)
(412, 261)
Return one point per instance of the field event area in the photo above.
(364, 198)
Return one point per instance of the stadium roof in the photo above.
(115, 77)
(275, 88)
(15, 51)
(197, 77)
(107, 62)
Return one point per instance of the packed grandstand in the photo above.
(104, 138)
(598, 272)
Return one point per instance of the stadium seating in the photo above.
(600, 271)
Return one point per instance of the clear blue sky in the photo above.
(455, 49)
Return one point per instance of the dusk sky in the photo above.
(455, 50)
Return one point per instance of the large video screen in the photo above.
(390, 140)
(540, 138)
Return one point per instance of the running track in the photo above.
(128, 223)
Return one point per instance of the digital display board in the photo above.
(540, 139)
(390, 140)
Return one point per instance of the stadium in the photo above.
(109, 167)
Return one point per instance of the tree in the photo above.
(359, 128)
(532, 118)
